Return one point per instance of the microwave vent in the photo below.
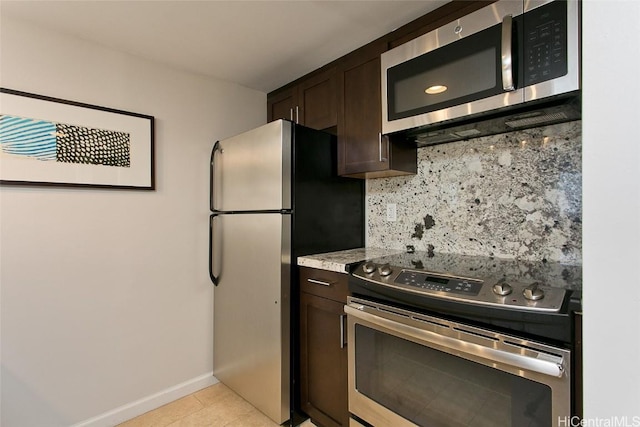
(551, 111)
(435, 138)
(535, 120)
(468, 133)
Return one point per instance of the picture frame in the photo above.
(48, 141)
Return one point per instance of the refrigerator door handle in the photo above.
(212, 252)
(212, 173)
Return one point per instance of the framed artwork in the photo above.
(50, 141)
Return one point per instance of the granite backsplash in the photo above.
(515, 195)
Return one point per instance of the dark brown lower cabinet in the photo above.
(323, 357)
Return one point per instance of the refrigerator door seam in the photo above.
(267, 211)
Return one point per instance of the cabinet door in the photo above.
(359, 126)
(281, 105)
(317, 101)
(323, 360)
(363, 152)
(311, 102)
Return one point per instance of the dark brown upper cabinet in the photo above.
(281, 104)
(363, 152)
(310, 101)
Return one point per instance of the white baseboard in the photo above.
(146, 404)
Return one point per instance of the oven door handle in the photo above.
(542, 363)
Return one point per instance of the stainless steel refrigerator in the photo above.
(275, 196)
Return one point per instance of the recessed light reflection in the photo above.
(435, 89)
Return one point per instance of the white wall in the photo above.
(105, 293)
(611, 202)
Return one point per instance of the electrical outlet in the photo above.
(391, 212)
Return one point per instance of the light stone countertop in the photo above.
(340, 261)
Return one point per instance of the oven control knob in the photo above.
(369, 267)
(502, 289)
(385, 270)
(533, 292)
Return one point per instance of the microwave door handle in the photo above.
(507, 54)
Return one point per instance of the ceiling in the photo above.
(258, 44)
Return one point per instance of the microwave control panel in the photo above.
(545, 43)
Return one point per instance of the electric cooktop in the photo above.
(505, 283)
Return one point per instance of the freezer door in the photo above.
(252, 171)
(251, 258)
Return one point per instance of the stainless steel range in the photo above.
(451, 340)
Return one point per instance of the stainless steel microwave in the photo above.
(507, 66)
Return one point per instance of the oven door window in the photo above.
(432, 388)
(460, 72)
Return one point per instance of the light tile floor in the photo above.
(214, 406)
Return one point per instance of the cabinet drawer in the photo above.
(325, 284)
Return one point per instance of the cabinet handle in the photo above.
(319, 282)
(343, 344)
(297, 117)
(291, 114)
(382, 159)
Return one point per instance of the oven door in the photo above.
(408, 369)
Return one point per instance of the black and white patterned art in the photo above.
(61, 142)
(75, 144)
(52, 141)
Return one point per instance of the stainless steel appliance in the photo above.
(451, 340)
(274, 196)
(510, 65)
